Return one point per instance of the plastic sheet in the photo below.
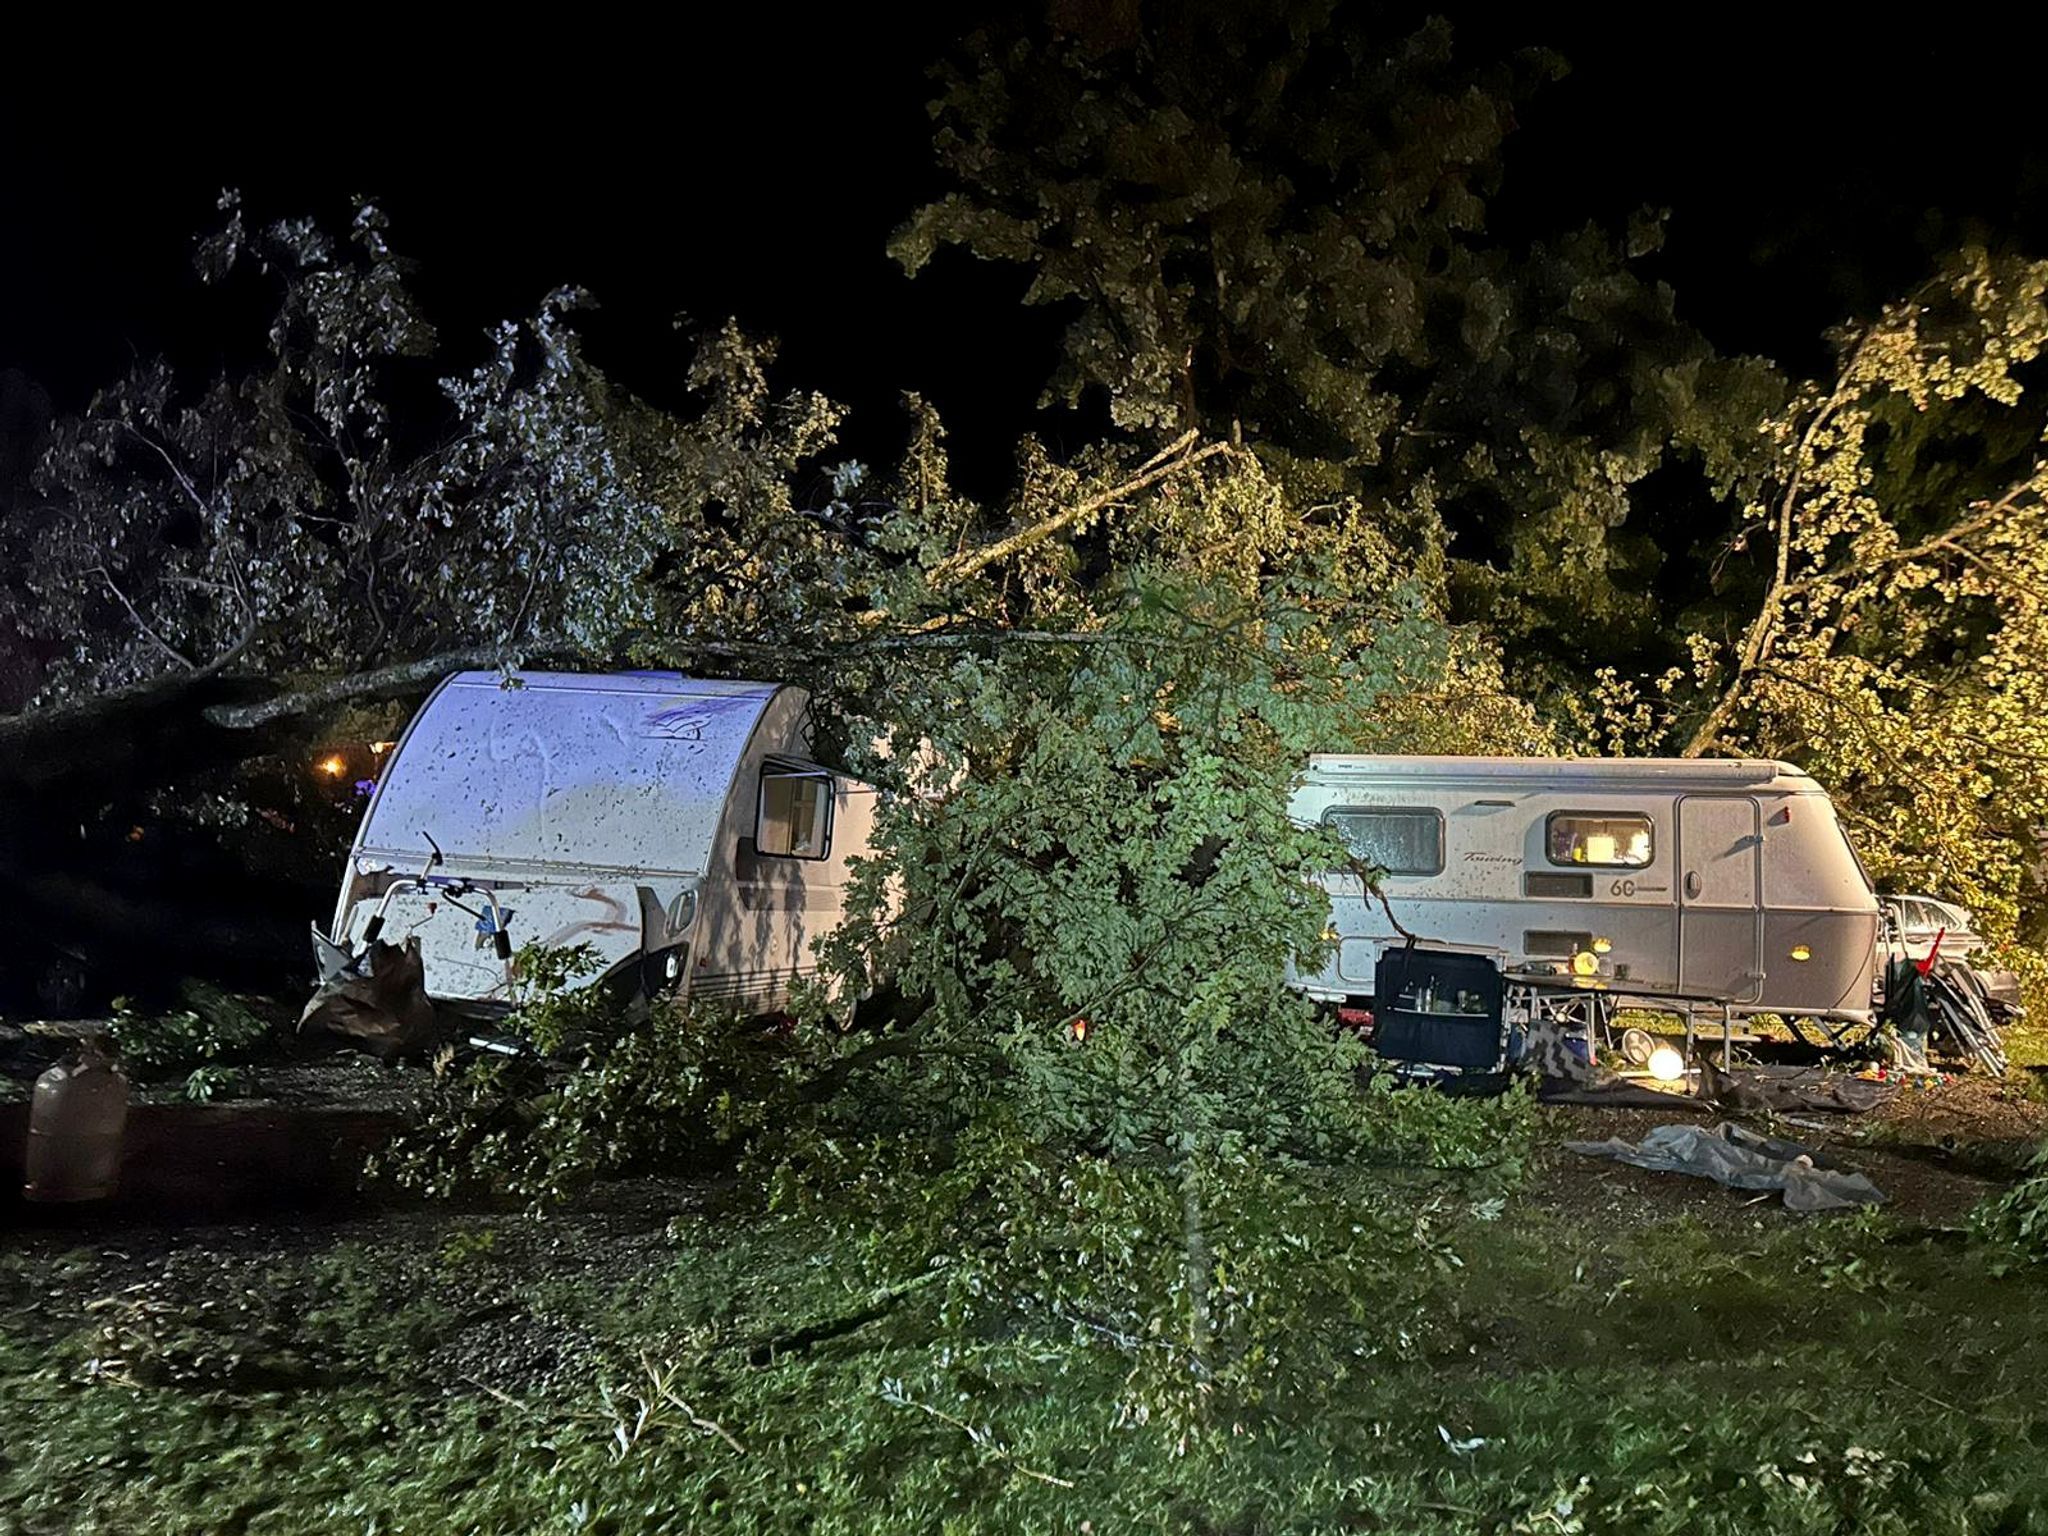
(1740, 1159)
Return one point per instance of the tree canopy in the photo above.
(1271, 223)
(1899, 521)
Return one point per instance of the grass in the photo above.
(1744, 1373)
(2027, 1045)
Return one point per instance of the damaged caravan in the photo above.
(683, 831)
(1720, 882)
(677, 827)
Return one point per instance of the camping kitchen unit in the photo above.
(677, 827)
(1712, 881)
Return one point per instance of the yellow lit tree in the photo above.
(1898, 520)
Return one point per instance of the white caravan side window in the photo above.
(1590, 837)
(1402, 840)
(795, 816)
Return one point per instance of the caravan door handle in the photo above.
(1693, 884)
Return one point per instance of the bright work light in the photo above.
(1666, 1065)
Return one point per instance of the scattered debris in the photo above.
(1741, 1159)
(377, 1000)
(234, 1022)
(1772, 1090)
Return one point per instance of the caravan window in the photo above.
(1407, 840)
(1607, 842)
(795, 816)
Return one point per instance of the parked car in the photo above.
(1918, 920)
(1915, 921)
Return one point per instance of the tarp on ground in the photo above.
(1740, 1159)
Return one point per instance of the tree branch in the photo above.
(913, 640)
(148, 630)
(1763, 628)
(184, 480)
(1948, 539)
(1174, 459)
(379, 683)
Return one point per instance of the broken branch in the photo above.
(379, 683)
(1171, 461)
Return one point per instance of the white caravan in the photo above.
(1718, 882)
(678, 827)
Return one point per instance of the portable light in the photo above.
(1666, 1065)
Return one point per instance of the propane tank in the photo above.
(74, 1128)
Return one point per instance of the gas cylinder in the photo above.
(75, 1123)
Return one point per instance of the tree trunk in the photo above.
(150, 733)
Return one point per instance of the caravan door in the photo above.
(1720, 897)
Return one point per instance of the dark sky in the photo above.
(1810, 175)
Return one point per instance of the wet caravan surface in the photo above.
(1718, 879)
(675, 825)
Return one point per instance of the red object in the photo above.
(1932, 950)
(1359, 1019)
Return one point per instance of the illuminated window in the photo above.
(1606, 842)
(795, 819)
(1401, 841)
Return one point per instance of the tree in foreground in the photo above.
(1093, 1106)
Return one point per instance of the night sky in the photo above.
(1810, 174)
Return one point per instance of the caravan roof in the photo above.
(1586, 772)
(627, 772)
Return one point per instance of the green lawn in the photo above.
(1601, 1361)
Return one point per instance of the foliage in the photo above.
(1234, 1287)
(1086, 882)
(1271, 225)
(1898, 524)
(1096, 1097)
(2015, 1221)
(1700, 1376)
(740, 558)
(663, 1089)
(213, 1081)
(1095, 1220)
(212, 1030)
(324, 511)
(1271, 222)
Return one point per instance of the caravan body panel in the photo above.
(757, 939)
(1713, 879)
(610, 810)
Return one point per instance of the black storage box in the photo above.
(1433, 1006)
